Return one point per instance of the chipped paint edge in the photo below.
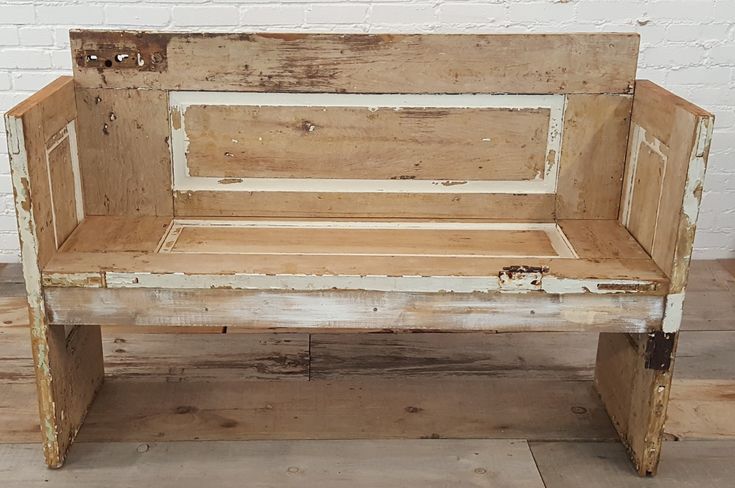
(32, 275)
(548, 284)
(690, 206)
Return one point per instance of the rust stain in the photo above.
(628, 286)
(453, 183)
(512, 271)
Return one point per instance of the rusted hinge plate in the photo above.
(659, 350)
(525, 278)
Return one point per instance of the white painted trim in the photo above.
(554, 233)
(429, 284)
(632, 167)
(49, 149)
(245, 281)
(673, 312)
(78, 194)
(640, 138)
(67, 133)
(179, 101)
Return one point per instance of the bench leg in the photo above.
(69, 371)
(633, 378)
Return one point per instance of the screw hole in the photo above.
(108, 63)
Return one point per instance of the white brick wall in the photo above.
(687, 45)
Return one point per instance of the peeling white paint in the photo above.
(673, 312)
(520, 283)
(553, 284)
(246, 281)
(32, 275)
(179, 101)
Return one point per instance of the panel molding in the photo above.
(179, 101)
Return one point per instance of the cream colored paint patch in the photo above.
(179, 101)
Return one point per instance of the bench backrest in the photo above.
(521, 127)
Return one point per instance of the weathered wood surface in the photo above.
(601, 239)
(229, 141)
(117, 234)
(328, 464)
(513, 207)
(592, 156)
(680, 134)
(364, 241)
(61, 177)
(710, 297)
(123, 151)
(353, 408)
(355, 311)
(229, 357)
(604, 465)
(358, 63)
(702, 409)
(636, 394)
(335, 356)
(68, 367)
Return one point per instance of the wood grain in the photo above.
(386, 408)
(674, 123)
(117, 234)
(648, 184)
(68, 367)
(635, 396)
(123, 152)
(601, 239)
(551, 355)
(64, 200)
(358, 63)
(362, 143)
(356, 242)
(604, 465)
(356, 311)
(327, 464)
(515, 207)
(592, 156)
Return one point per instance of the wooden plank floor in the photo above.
(238, 394)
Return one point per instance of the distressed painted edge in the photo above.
(179, 101)
(74, 280)
(687, 226)
(521, 283)
(357, 310)
(673, 312)
(32, 277)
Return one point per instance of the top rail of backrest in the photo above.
(357, 63)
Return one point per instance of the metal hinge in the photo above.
(659, 350)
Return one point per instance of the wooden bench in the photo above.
(362, 183)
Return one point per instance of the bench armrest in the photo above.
(662, 188)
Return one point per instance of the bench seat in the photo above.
(461, 275)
